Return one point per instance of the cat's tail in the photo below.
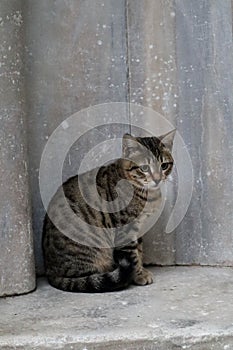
(118, 279)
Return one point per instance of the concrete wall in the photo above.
(76, 58)
(174, 56)
(181, 65)
(205, 119)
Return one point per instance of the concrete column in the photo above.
(17, 274)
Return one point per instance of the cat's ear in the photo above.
(129, 144)
(168, 139)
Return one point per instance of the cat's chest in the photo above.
(142, 208)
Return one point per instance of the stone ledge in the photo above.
(186, 308)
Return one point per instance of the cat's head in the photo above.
(147, 160)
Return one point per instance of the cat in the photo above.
(115, 260)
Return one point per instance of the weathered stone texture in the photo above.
(16, 248)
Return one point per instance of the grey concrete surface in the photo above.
(186, 308)
(17, 271)
(181, 65)
(205, 79)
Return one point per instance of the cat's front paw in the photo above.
(143, 277)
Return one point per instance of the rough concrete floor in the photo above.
(186, 308)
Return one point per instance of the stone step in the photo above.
(186, 308)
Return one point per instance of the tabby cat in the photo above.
(115, 260)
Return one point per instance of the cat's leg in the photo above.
(141, 276)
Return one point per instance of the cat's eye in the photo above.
(165, 166)
(145, 168)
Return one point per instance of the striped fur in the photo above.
(96, 266)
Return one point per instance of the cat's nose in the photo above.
(156, 181)
(156, 178)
